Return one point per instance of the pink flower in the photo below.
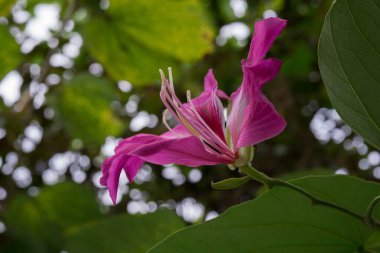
(203, 136)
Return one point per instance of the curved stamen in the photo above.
(214, 135)
(174, 107)
(191, 119)
(164, 120)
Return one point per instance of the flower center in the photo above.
(188, 115)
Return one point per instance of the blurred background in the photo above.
(76, 76)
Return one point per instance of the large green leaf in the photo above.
(123, 233)
(283, 220)
(135, 38)
(10, 55)
(349, 60)
(84, 108)
(38, 223)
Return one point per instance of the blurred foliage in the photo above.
(78, 97)
(123, 233)
(169, 30)
(83, 107)
(44, 219)
(49, 223)
(9, 51)
(5, 7)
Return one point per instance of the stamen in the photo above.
(171, 77)
(190, 118)
(193, 126)
(179, 115)
(164, 94)
(216, 138)
(164, 120)
(172, 93)
(196, 127)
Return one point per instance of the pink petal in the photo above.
(166, 149)
(175, 146)
(210, 84)
(261, 122)
(248, 99)
(112, 167)
(261, 73)
(209, 106)
(265, 32)
(249, 106)
(128, 144)
(132, 166)
(222, 94)
(258, 75)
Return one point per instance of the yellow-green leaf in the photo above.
(139, 37)
(6, 6)
(10, 55)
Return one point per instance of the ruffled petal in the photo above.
(111, 170)
(265, 32)
(256, 76)
(248, 103)
(132, 166)
(248, 99)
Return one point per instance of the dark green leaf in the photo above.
(84, 109)
(123, 233)
(298, 174)
(134, 48)
(283, 220)
(349, 60)
(373, 243)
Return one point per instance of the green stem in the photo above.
(368, 215)
(272, 182)
(258, 176)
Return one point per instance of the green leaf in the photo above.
(230, 183)
(83, 106)
(123, 233)
(39, 222)
(134, 46)
(349, 59)
(5, 7)
(297, 174)
(10, 56)
(283, 220)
